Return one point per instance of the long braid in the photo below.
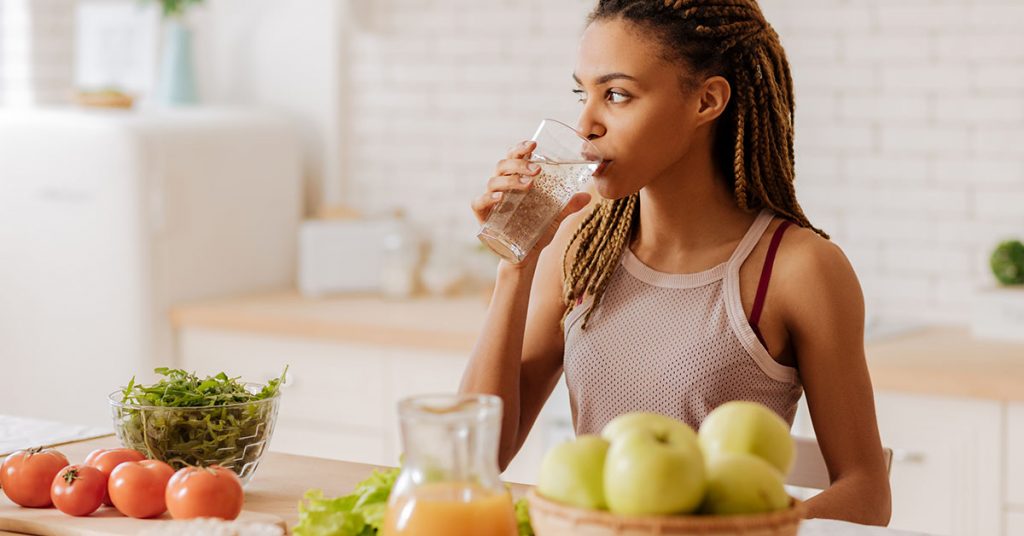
(596, 257)
(753, 141)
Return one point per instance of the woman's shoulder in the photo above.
(819, 298)
(806, 249)
(809, 264)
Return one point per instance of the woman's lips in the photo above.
(602, 167)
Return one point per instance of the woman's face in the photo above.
(635, 109)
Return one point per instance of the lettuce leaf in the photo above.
(360, 513)
(523, 518)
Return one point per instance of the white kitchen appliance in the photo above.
(345, 255)
(107, 219)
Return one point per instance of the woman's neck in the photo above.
(689, 220)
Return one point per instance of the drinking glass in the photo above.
(566, 160)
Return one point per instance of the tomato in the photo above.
(137, 488)
(26, 476)
(204, 492)
(107, 459)
(77, 490)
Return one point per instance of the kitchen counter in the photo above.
(428, 323)
(948, 361)
(942, 361)
(282, 479)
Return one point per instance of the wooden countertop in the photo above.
(282, 479)
(942, 361)
(948, 361)
(431, 323)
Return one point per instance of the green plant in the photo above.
(173, 8)
(1007, 262)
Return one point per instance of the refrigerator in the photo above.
(110, 218)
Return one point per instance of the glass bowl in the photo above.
(232, 435)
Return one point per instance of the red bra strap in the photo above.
(766, 275)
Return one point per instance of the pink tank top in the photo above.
(676, 344)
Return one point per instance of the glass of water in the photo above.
(566, 160)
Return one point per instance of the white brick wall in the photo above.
(36, 56)
(910, 123)
(439, 89)
(942, 178)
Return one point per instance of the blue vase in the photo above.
(177, 73)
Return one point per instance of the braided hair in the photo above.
(753, 144)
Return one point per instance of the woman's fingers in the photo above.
(514, 173)
(497, 186)
(517, 166)
(521, 149)
(504, 183)
(577, 203)
(483, 204)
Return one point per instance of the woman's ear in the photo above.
(714, 96)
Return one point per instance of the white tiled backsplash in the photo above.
(910, 123)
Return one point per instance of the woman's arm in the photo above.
(518, 355)
(824, 313)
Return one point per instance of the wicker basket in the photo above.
(104, 99)
(554, 519)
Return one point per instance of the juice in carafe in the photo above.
(451, 509)
(449, 484)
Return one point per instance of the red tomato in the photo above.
(137, 488)
(26, 476)
(107, 459)
(204, 492)
(77, 490)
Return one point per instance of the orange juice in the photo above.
(451, 509)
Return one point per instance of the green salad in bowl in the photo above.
(186, 420)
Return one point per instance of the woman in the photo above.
(697, 279)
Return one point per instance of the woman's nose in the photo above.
(589, 127)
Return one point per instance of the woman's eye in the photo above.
(612, 96)
(617, 97)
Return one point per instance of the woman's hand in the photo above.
(516, 173)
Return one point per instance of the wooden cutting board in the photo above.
(104, 522)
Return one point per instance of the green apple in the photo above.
(652, 472)
(751, 428)
(573, 472)
(655, 422)
(743, 484)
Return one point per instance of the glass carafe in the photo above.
(449, 484)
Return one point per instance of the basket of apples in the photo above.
(650, 474)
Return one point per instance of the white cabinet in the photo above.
(1014, 524)
(340, 399)
(1015, 456)
(947, 463)
(947, 473)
